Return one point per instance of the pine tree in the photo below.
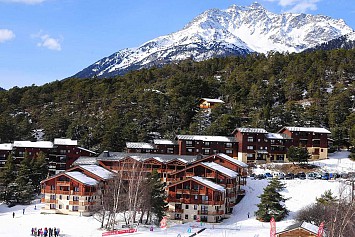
(25, 188)
(158, 204)
(7, 177)
(326, 198)
(271, 203)
(40, 170)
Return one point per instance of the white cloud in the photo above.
(24, 1)
(298, 5)
(48, 42)
(6, 35)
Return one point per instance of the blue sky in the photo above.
(47, 40)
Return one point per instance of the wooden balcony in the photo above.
(175, 210)
(74, 203)
(230, 185)
(62, 192)
(189, 174)
(63, 183)
(210, 213)
(210, 175)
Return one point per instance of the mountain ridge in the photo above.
(238, 30)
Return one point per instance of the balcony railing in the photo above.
(74, 203)
(210, 213)
(63, 183)
(175, 210)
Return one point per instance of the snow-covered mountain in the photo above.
(215, 33)
(342, 42)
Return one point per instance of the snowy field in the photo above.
(300, 192)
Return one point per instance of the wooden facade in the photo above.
(196, 198)
(301, 229)
(75, 191)
(207, 103)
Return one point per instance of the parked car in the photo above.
(268, 175)
(318, 176)
(301, 175)
(325, 176)
(259, 176)
(311, 175)
(281, 176)
(290, 176)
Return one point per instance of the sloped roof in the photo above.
(209, 183)
(307, 129)
(221, 169)
(65, 142)
(39, 144)
(143, 156)
(139, 145)
(98, 170)
(164, 142)
(250, 130)
(206, 138)
(85, 160)
(235, 161)
(82, 178)
(213, 100)
(304, 225)
(6, 146)
(278, 136)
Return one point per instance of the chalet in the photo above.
(252, 144)
(315, 139)
(207, 145)
(215, 173)
(165, 146)
(5, 151)
(196, 198)
(301, 229)
(74, 191)
(206, 103)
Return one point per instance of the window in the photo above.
(206, 144)
(188, 143)
(52, 197)
(206, 151)
(250, 139)
(250, 147)
(67, 207)
(52, 206)
(170, 150)
(186, 206)
(196, 197)
(76, 189)
(229, 151)
(68, 197)
(229, 144)
(186, 217)
(204, 198)
(195, 207)
(190, 150)
(60, 206)
(75, 198)
(195, 217)
(75, 208)
(197, 150)
(60, 197)
(52, 187)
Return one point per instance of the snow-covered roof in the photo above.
(97, 170)
(39, 144)
(250, 130)
(139, 145)
(221, 169)
(86, 160)
(308, 129)
(84, 149)
(164, 142)
(213, 100)
(279, 136)
(82, 178)
(6, 146)
(305, 225)
(206, 138)
(209, 183)
(65, 142)
(235, 161)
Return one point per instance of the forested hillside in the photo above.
(306, 89)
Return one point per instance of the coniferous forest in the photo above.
(305, 89)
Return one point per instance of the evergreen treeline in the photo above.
(305, 89)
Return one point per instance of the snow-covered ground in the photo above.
(300, 192)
